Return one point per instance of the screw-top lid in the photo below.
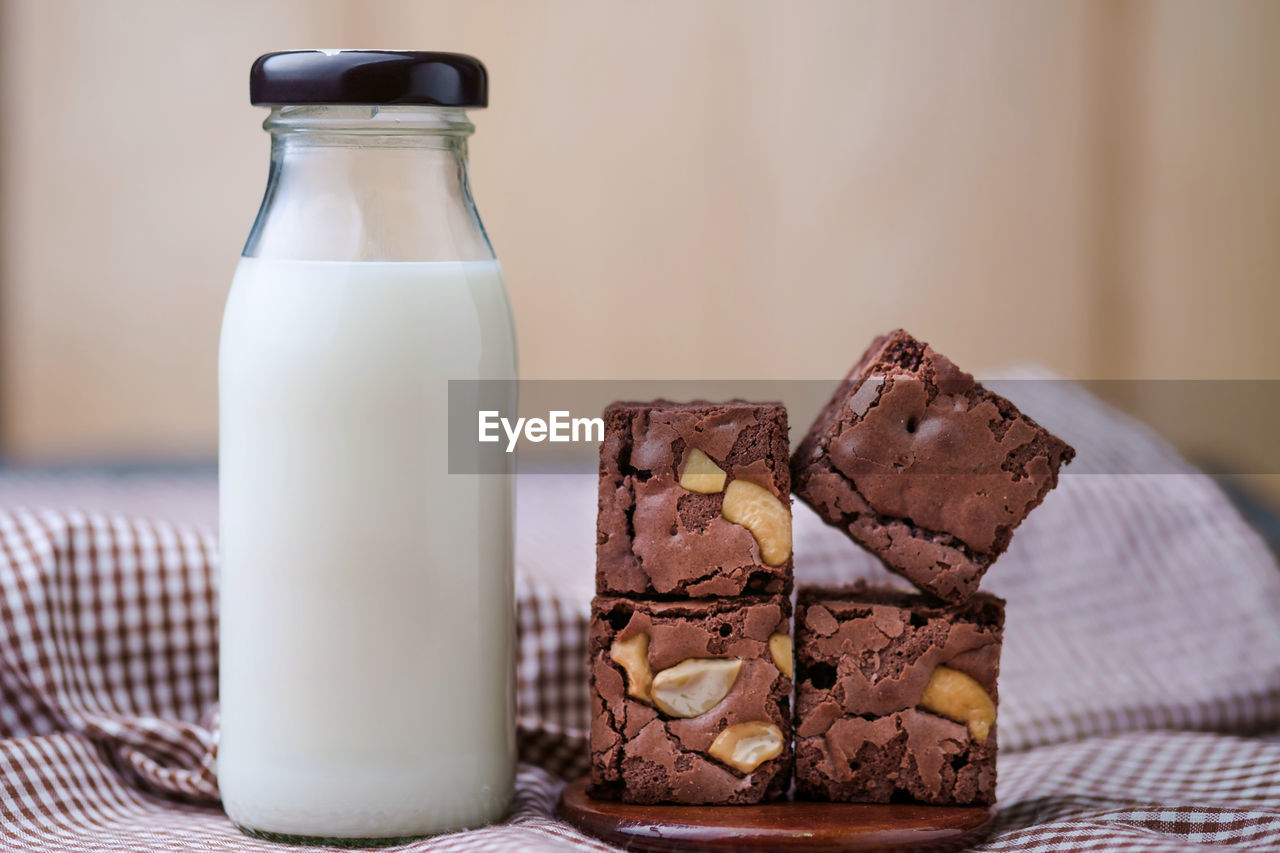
(378, 77)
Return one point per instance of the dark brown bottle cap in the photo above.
(378, 77)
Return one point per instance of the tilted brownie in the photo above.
(695, 500)
(896, 696)
(690, 700)
(924, 467)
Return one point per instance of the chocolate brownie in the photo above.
(690, 700)
(896, 696)
(695, 500)
(924, 467)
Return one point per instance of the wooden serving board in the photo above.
(778, 826)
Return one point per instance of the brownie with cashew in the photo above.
(924, 467)
(896, 696)
(690, 700)
(695, 500)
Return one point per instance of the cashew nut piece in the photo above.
(780, 649)
(746, 746)
(633, 656)
(693, 686)
(958, 696)
(768, 519)
(701, 475)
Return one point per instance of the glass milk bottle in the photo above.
(367, 613)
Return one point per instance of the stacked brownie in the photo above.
(690, 647)
(691, 656)
(930, 472)
(896, 696)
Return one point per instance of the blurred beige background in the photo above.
(758, 187)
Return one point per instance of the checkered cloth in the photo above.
(1141, 670)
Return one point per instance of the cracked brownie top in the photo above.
(925, 467)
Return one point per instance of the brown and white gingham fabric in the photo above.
(1140, 686)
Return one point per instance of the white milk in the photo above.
(366, 593)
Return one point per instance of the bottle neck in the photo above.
(368, 183)
(407, 126)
